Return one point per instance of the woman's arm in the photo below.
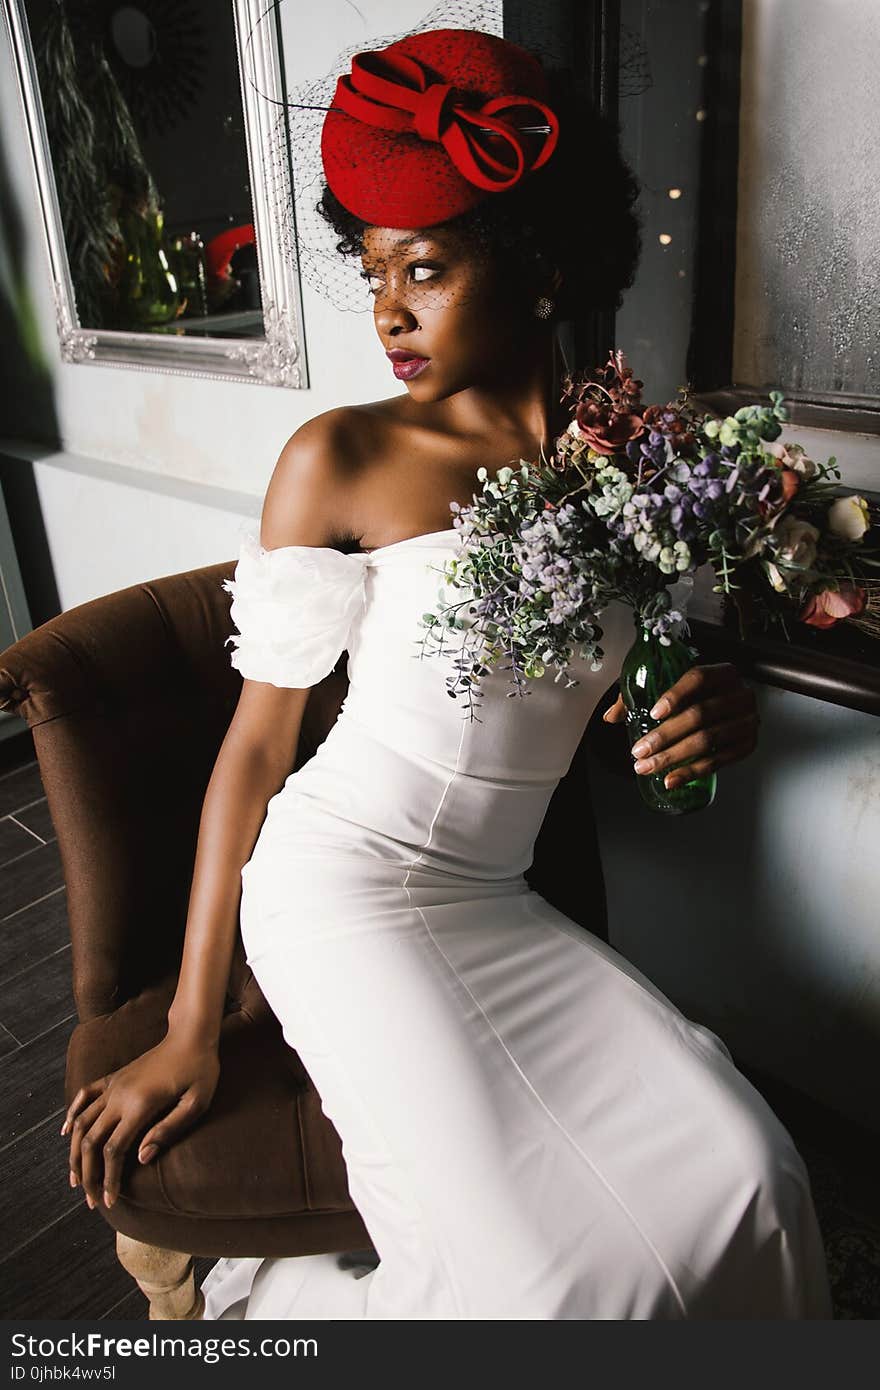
(256, 756)
(176, 1080)
(303, 505)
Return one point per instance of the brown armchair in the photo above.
(128, 698)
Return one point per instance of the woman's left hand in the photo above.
(708, 718)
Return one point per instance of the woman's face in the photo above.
(443, 311)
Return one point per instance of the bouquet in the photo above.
(631, 499)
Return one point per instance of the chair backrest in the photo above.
(129, 697)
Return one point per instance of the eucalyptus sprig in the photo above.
(533, 591)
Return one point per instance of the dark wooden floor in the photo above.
(59, 1258)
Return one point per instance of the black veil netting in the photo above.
(602, 230)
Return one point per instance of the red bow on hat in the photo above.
(394, 92)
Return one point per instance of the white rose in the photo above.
(848, 517)
(796, 543)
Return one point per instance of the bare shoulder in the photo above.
(312, 495)
(329, 447)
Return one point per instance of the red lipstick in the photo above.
(406, 365)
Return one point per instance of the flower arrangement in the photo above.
(632, 498)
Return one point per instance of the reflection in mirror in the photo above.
(162, 194)
(146, 131)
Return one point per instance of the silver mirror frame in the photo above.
(276, 359)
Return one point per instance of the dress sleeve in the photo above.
(293, 608)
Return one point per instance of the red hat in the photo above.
(424, 129)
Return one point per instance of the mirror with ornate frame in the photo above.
(168, 218)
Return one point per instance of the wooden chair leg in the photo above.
(165, 1277)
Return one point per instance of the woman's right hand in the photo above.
(175, 1079)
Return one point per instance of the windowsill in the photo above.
(840, 665)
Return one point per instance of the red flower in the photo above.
(606, 430)
(831, 605)
(606, 399)
(791, 481)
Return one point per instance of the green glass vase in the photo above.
(649, 669)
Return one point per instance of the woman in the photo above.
(531, 1129)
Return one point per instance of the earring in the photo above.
(544, 307)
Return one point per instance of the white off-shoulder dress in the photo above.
(531, 1128)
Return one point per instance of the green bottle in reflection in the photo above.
(650, 668)
(148, 290)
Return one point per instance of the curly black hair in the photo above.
(576, 214)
